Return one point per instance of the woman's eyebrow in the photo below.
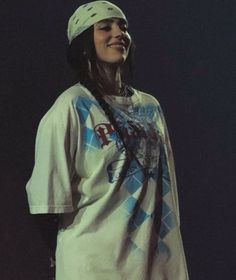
(110, 20)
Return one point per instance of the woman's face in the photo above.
(112, 41)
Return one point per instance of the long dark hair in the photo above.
(79, 52)
(82, 49)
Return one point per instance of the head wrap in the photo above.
(89, 14)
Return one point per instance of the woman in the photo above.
(104, 169)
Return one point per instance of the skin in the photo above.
(112, 43)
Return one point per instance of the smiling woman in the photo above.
(112, 41)
(103, 186)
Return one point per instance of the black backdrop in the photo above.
(185, 57)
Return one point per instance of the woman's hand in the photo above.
(52, 268)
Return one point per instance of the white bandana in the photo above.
(88, 14)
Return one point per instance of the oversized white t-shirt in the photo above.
(109, 228)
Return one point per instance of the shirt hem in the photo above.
(51, 209)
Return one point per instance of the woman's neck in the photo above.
(112, 79)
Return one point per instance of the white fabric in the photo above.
(109, 229)
(90, 13)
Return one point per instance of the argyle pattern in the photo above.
(135, 178)
(83, 107)
(132, 207)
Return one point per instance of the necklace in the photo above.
(125, 90)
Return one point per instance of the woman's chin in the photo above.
(115, 61)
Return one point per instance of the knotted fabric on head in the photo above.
(89, 14)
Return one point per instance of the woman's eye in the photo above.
(124, 28)
(106, 28)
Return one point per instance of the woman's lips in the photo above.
(117, 46)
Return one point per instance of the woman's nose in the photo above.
(116, 31)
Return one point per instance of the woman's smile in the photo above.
(112, 34)
(120, 45)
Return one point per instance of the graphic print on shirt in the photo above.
(145, 143)
(143, 138)
(107, 134)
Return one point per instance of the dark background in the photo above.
(185, 57)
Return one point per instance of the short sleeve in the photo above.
(50, 188)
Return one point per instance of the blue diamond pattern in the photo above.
(170, 220)
(135, 178)
(163, 230)
(162, 248)
(90, 139)
(165, 186)
(165, 209)
(134, 182)
(130, 204)
(83, 106)
(138, 219)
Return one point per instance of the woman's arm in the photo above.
(47, 225)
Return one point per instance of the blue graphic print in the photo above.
(143, 138)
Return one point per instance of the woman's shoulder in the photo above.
(68, 98)
(64, 105)
(146, 98)
(70, 95)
